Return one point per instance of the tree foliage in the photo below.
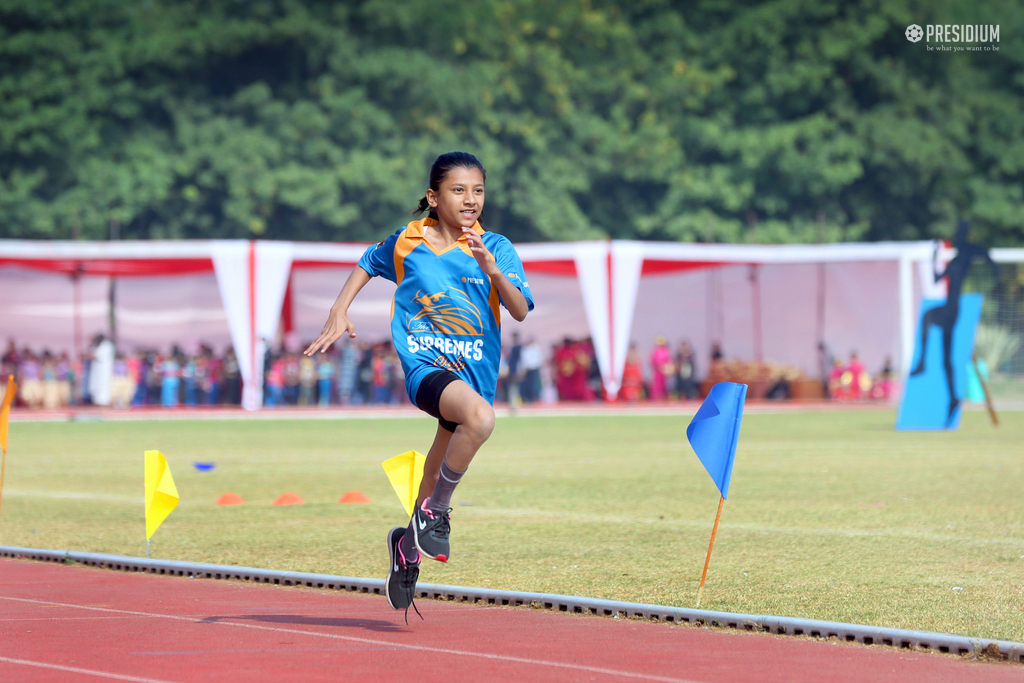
(723, 120)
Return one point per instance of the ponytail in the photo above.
(439, 171)
(424, 206)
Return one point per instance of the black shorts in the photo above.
(428, 396)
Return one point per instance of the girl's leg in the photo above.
(448, 460)
(475, 417)
(431, 471)
(432, 466)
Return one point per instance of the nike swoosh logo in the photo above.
(422, 524)
(396, 567)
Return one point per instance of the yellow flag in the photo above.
(161, 494)
(405, 472)
(5, 411)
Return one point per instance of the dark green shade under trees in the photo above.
(721, 120)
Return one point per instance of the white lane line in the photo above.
(75, 495)
(373, 641)
(20, 619)
(76, 670)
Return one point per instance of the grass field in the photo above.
(830, 516)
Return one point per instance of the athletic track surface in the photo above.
(74, 623)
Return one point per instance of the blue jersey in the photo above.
(445, 313)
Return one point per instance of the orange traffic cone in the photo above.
(289, 499)
(353, 497)
(230, 499)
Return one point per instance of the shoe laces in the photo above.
(407, 582)
(408, 576)
(413, 605)
(441, 523)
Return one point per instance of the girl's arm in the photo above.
(337, 321)
(513, 299)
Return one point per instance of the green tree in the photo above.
(788, 120)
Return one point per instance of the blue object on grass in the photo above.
(204, 466)
(926, 400)
(715, 430)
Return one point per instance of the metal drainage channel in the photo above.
(868, 635)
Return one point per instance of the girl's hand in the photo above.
(511, 297)
(337, 324)
(480, 253)
(337, 321)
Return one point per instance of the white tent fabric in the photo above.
(852, 307)
(41, 307)
(314, 291)
(252, 278)
(873, 314)
(233, 264)
(770, 302)
(272, 264)
(627, 259)
(167, 309)
(591, 269)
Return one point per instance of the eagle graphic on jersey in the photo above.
(450, 312)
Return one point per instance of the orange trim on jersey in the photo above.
(403, 247)
(415, 231)
(495, 301)
(427, 222)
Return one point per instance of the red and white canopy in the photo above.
(759, 302)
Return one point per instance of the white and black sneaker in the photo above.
(430, 530)
(400, 586)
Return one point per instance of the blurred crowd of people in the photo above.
(850, 381)
(575, 372)
(672, 375)
(350, 373)
(104, 376)
(361, 373)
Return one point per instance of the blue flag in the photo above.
(715, 430)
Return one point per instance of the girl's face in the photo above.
(460, 199)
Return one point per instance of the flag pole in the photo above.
(147, 548)
(707, 561)
(984, 389)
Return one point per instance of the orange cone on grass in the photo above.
(353, 497)
(230, 498)
(289, 499)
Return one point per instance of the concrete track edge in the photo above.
(868, 635)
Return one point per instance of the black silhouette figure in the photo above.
(945, 316)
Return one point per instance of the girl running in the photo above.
(451, 276)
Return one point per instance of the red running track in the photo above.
(74, 623)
